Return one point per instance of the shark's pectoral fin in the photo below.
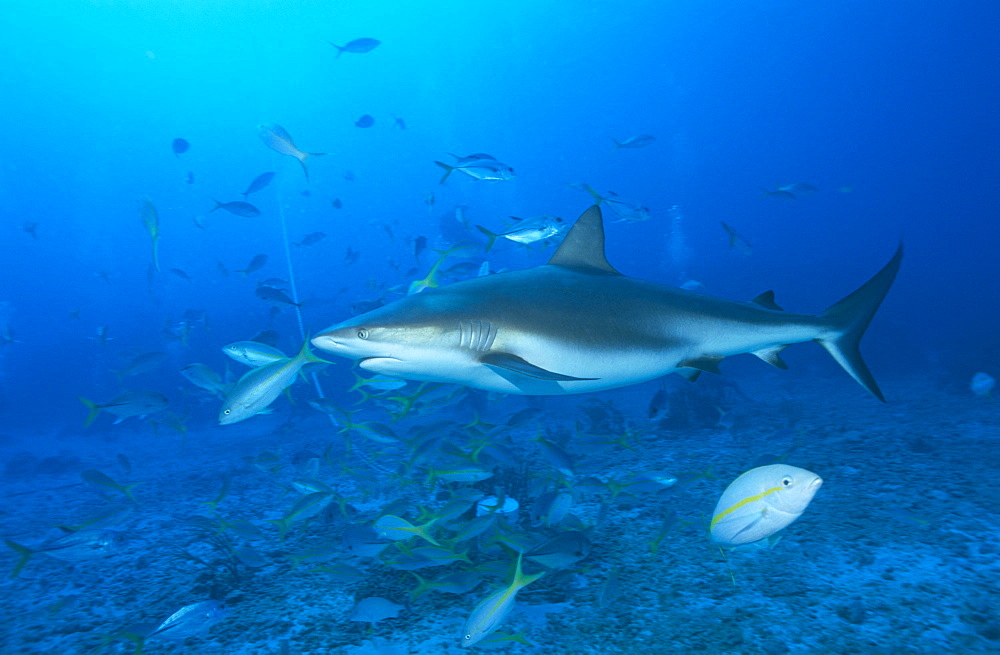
(707, 363)
(770, 355)
(513, 363)
(689, 374)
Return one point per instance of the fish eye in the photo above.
(468, 636)
(362, 333)
(227, 412)
(787, 481)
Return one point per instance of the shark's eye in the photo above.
(362, 333)
(227, 412)
(787, 481)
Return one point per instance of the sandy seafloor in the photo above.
(898, 553)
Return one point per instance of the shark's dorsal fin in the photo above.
(583, 246)
(766, 299)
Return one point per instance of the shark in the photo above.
(576, 325)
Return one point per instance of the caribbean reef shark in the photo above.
(576, 325)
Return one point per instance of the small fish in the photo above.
(72, 547)
(492, 610)
(147, 211)
(258, 262)
(374, 609)
(237, 207)
(311, 239)
(638, 141)
(143, 363)
(379, 382)
(400, 123)
(128, 404)
(357, 46)
(479, 169)
(396, 528)
(626, 211)
(527, 231)
(341, 572)
(180, 146)
(364, 121)
(253, 353)
(982, 384)
(189, 178)
(31, 228)
(102, 481)
(258, 183)
(275, 137)
(190, 620)
(761, 502)
(658, 403)
(737, 241)
(778, 194)
(801, 188)
(336, 203)
(562, 551)
(363, 541)
(461, 474)
(262, 386)
(203, 377)
(276, 297)
(649, 482)
(184, 275)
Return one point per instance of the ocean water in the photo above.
(732, 147)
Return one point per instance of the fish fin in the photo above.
(510, 362)
(583, 246)
(707, 363)
(217, 205)
(340, 50)
(690, 374)
(766, 300)
(94, 411)
(617, 145)
(492, 236)
(447, 170)
(770, 355)
(307, 354)
(23, 552)
(849, 318)
(730, 232)
(307, 155)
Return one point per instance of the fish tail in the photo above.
(340, 50)
(127, 490)
(217, 205)
(447, 170)
(307, 155)
(423, 531)
(306, 354)
(94, 411)
(283, 526)
(617, 145)
(598, 198)
(520, 579)
(23, 552)
(849, 318)
(489, 235)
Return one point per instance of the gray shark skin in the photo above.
(577, 325)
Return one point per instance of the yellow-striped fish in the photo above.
(761, 502)
(491, 611)
(261, 386)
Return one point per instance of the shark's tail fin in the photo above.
(849, 319)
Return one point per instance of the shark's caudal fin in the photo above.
(583, 246)
(850, 318)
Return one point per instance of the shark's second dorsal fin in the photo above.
(583, 246)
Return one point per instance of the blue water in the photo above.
(888, 109)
